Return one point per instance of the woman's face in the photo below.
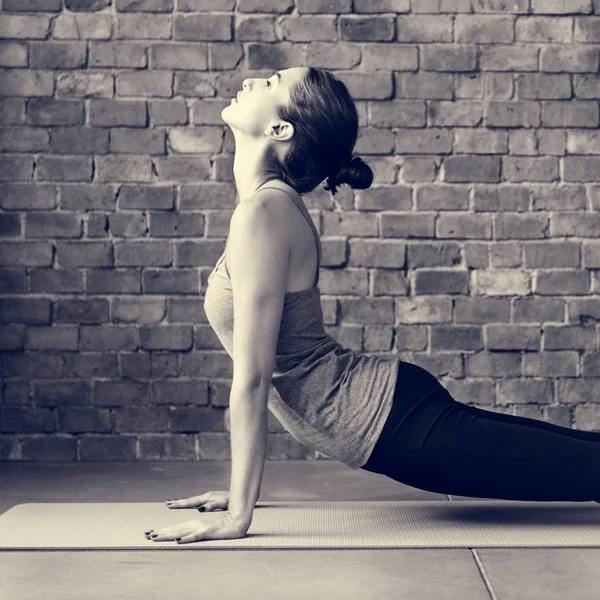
(255, 108)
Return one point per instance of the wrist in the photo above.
(242, 522)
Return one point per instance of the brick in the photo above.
(12, 111)
(41, 224)
(576, 113)
(464, 169)
(570, 60)
(516, 57)
(443, 58)
(367, 86)
(26, 254)
(266, 56)
(463, 113)
(10, 225)
(205, 5)
(483, 29)
(544, 29)
(324, 6)
(493, 364)
(25, 310)
(32, 5)
(423, 141)
(166, 447)
(21, 82)
(575, 224)
(202, 27)
(408, 226)
(13, 54)
(308, 28)
(501, 6)
(112, 113)
(577, 337)
(57, 55)
(562, 282)
(24, 27)
(520, 391)
(138, 141)
(561, 7)
(583, 142)
(423, 29)
(482, 310)
(107, 448)
(341, 56)
(144, 5)
(366, 29)
(558, 198)
(275, 6)
(511, 226)
(83, 420)
(152, 84)
(117, 54)
(586, 86)
(27, 420)
(519, 169)
(64, 168)
(13, 281)
(420, 168)
(23, 139)
(397, 113)
(438, 281)
(512, 114)
(377, 6)
(438, 197)
(582, 168)
(587, 29)
(480, 141)
(464, 226)
(260, 29)
(49, 448)
(501, 282)
(147, 26)
(484, 85)
(47, 111)
(15, 168)
(86, 5)
(534, 86)
(179, 56)
(380, 56)
(423, 85)
(538, 309)
(69, 26)
(442, 6)
(456, 337)
(83, 85)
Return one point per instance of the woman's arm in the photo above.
(258, 260)
(248, 423)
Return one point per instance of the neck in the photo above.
(251, 168)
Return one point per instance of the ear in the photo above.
(280, 130)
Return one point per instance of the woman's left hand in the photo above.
(226, 527)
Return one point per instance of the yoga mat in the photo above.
(319, 524)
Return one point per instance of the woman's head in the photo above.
(312, 113)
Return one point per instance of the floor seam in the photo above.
(486, 581)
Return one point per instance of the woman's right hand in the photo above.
(205, 502)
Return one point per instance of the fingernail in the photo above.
(202, 509)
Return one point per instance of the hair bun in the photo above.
(356, 173)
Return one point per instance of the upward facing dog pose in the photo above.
(292, 131)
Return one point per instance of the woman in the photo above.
(292, 131)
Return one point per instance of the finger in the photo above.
(192, 502)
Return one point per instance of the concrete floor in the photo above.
(415, 574)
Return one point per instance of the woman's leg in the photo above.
(438, 444)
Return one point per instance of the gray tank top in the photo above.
(328, 397)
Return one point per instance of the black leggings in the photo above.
(432, 442)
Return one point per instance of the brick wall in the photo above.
(475, 254)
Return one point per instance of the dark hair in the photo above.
(325, 122)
